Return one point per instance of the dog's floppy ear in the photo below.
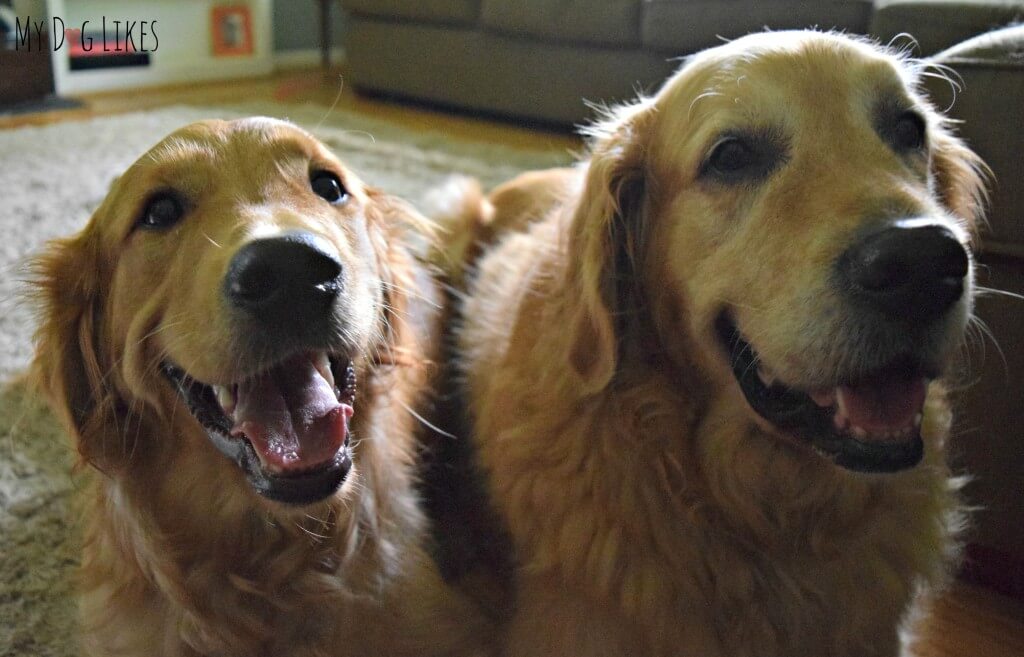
(604, 244)
(400, 236)
(67, 361)
(396, 216)
(960, 177)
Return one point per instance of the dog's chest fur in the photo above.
(269, 589)
(617, 513)
(347, 577)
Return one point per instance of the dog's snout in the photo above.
(292, 277)
(907, 270)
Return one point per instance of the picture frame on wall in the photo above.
(231, 26)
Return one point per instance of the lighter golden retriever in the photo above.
(703, 367)
(237, 340)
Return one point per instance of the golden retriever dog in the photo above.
(704, 367)
(238, 340)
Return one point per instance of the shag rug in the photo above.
(51, 179)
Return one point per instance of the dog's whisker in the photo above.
(992, 291)
(397, 313)
(412, 294)
(212, 241)
(337, 98)
(318, 538)
(986, 332)
(382, 340)
(422, 420)
(902, 46)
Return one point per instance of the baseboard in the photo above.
(306, 58)
(74, 82)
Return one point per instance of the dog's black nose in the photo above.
(292, 278)
(907, 270)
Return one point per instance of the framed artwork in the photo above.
(232, 30)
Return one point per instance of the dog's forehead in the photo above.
(251, 140)
(251, 152)
(808, 73)
(790, 80)
(823, 68)
(241, 159)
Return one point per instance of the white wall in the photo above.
(183, 43)
(36, 8)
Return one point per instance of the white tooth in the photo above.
(226, 398)
(323, 365)
(917, 420)
(860, 432)
(766, 378)
(825, 399)
(840, 406)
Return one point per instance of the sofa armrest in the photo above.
(990, 70)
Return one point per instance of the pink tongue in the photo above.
(291, 417)
(883, 406)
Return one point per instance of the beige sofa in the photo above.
(543, 59)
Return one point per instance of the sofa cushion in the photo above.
(494, 73)
(685, 26)
(938, 24)
(593, 22)
(442, 12)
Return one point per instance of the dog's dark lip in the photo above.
(794, 413)
(303, 488)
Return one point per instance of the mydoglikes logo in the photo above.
(104, 35)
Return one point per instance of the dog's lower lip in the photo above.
(296, 483)
(302, 488)
(814, 417)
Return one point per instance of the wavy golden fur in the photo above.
(652, 511)
(181, 556)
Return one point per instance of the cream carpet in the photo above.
(51, 178)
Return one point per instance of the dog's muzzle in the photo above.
(898, 282)
(287, 425)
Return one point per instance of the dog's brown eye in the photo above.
(162, 211)
(731, 155)
(908, 133)
(738, 159)
(327, 186)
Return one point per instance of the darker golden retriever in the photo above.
(238, 340)
(704, 367)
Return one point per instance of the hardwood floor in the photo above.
(305, 87)
(966, 622)
(973, 622)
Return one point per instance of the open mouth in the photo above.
(868, 424)
(286, 427)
